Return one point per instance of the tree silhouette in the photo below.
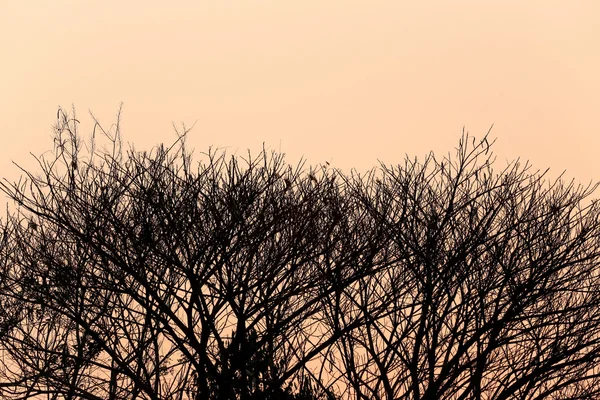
(128, 274)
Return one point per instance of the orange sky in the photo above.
(348, 82)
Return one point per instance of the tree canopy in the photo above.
(146, 275)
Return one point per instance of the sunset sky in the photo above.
(348, 82)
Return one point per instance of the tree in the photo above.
(128, 274)
(143, 278)
(495, 286)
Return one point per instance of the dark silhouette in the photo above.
(128, 274)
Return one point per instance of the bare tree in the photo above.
(495, 289)
(128, 274)
(145, 278)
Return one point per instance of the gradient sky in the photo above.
(348, 82)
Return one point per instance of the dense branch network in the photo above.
(128, 274)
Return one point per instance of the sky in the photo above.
(347, 82)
